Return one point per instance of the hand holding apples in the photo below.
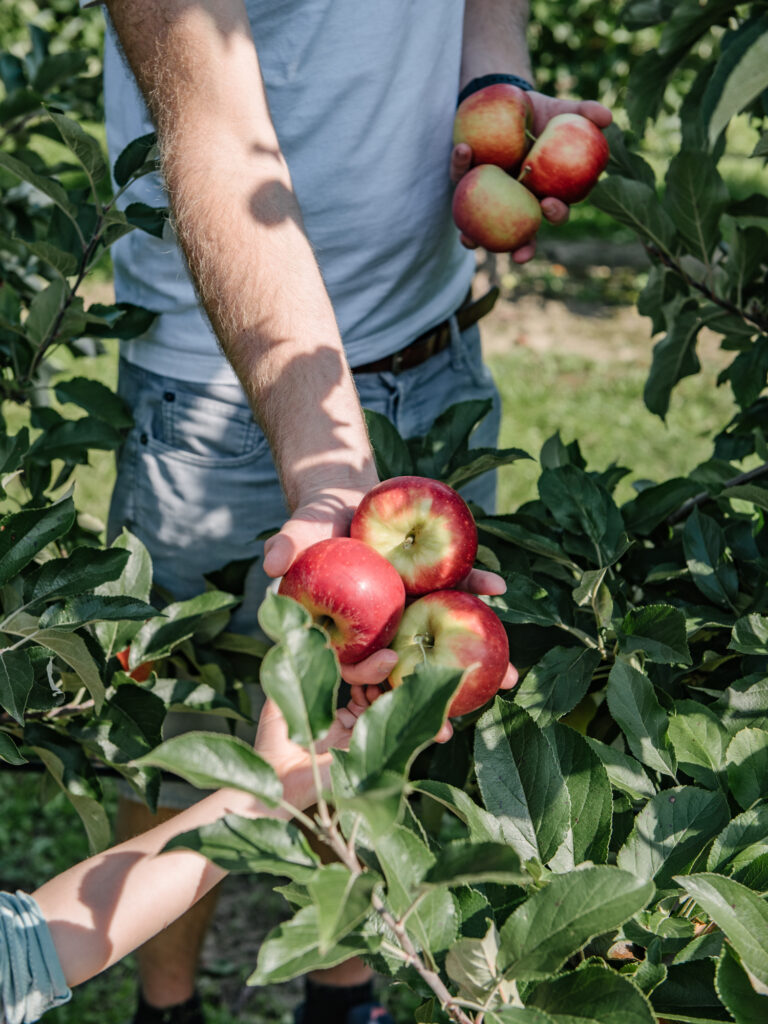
(478, 219)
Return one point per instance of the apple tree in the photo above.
(590, 847)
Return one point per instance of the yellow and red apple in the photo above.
(454, 629)
(495, 122)
(350, 590)
(495, 210)
(423, 527)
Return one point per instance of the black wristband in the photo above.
(480, 83)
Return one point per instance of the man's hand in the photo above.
(544, 109)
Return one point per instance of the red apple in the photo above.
(495, 122)
(566, 160)
(494, 210)
(454, 629)
(351, 591)
(141, 673)
(423, 527)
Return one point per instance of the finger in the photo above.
(461, 161)
(481, 581)
(445, 733)
(555, 210)
(279, 553)
(346, 718)
(596, 112)
(370, 671)
(524, 253)
(510, 679)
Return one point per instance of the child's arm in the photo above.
(100, 910)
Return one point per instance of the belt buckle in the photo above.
(398, 358)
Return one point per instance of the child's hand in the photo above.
(291, 761)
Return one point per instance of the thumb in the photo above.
(279, 553)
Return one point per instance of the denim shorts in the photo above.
(197, 485)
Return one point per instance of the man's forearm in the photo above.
(495, 39)
(240, 226)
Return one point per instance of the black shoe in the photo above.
(190, 1012)
(339, 1004)
(363, 1013)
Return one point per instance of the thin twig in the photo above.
(705, 496)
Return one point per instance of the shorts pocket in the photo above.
(202, 430)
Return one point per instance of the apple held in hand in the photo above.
(495, 122)
(423, 527)
(566, 160)
(454, 629)
(494, 210)
(351, 591)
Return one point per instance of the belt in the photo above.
(434, 340)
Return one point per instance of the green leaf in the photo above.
(449, 436)
(635, 204)
(9, 752)
(58, 69)
(390, 733)
(343, 901)
(151, 219)
(590, 791)
(188, 695)
(393, 457)
(472, 964)
(747, 759)
(79, 573)
(462, 863)
(511, 529)
(520, 781)
(132, 159)
(525, 603)
(16, 679)
(279, 615)
(253, 846)
(707, 560)
(674, 357)
(129, 725)
(135, 580)
(736, 992)
(476, 461)
(82, 145)
(741, 75)
(404, 859)
(750, 635)
(301, 675)
(177, 622)
(291, 949)
(739, 912)
(624, 772)
(696, 197)
(71, 771)
(653, 504)
(750, 828)
(592, 995)
(209, 760)
(699, 741)
(671, 831)
(46, 185)
(634, 706)
(65, 263)
(72, 650)
(44, 310)
(86, 608)
(744, 702)
(556, 922)
(481, 825)
(581, 505)
(96, 398)
(519, 1015)
(556, 683)
(659, 631)
(71, 440)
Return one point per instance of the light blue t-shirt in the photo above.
(31, 978)
(362, 95)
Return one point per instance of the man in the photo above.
(307, 155)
